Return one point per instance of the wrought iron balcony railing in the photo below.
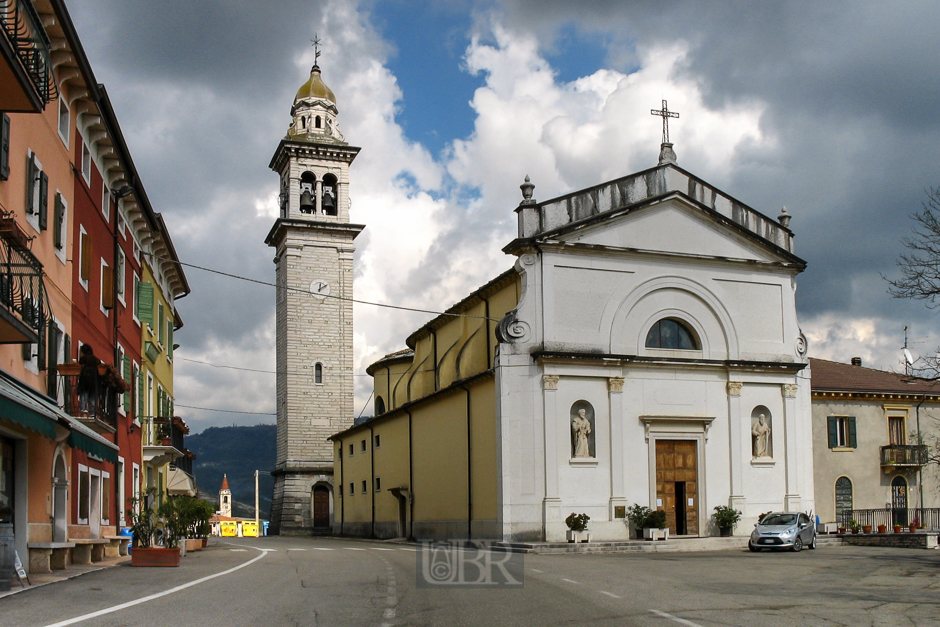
(22, 26)
(94, 403)
(903, 455)
(22, 289)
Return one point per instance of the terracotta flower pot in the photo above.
(897, 529)
(205, 542)
(841, 529)
(912, 527)
(866, 528)
(882, 529)
(155, 557)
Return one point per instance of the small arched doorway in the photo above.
(321, 507)
(60, 499)
(843, 500)
(899, 501)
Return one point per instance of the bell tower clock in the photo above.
(313, 240)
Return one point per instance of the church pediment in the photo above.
(671, 225)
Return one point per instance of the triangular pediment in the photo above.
(672, 225)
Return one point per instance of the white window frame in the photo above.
(105, 516)
(33, 218)
(81, 250)
(842, 431)
(120, 367)
(78, 493)
(106, 202)
(135, 486)
(122, 221)
(86, 162)
(63, 104)
(133, 302)
(104, 264)
(136, 406)
(120, 470)
(62, 253)
(120, 276)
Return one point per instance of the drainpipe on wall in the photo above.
(372, 472)
(342, 499)
(469, 471)
(411, 484)
(920, 469)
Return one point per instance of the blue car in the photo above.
(783, 530)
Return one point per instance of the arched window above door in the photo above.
(670, 333)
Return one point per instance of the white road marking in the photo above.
(302, 549)
(571, 581)
(681, 621)
(116, 608)
(610, 594)
(412, 550)
(349, 548)
(378, 549)
(320, 548)
(238, 550)
(536, 570)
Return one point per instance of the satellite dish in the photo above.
(908, 357)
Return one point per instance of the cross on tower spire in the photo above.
(665, 114)
(315, 42)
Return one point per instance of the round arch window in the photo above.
(670, 333)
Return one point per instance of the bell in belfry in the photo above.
(307, 203)
(329, 205)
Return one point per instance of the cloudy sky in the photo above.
(827, 108)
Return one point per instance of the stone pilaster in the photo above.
(615, 402)
(791, 442)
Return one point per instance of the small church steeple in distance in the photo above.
(225, 498)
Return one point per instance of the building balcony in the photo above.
(163, 440)
(903, 455)
(23, 301)
(25, 59)
(95, 405)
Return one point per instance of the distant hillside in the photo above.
(238, 452)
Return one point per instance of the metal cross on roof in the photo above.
(665, 114)
(315, 42)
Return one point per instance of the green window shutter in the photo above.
(127, 378)
(140, 394)
(31, 184)
(853, 441)
(161, 332)
(43, 201)
(169, 339)
(4, 146)
(145, 302)
(58, 229)
(833, 442)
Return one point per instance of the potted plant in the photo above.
(882, 529)
(654, 527)
(897, 529)
(841, 529)
(854, 525)
(725, 519)
(914, 524)
(145, 524)
(866, 528)
(637, 514)
(577, 527)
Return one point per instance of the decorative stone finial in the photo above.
(527, 189)
(784, 218)
(667, 154)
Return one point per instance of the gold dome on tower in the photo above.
(315, 88)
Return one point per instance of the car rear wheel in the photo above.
(797, 544)
(753, 548)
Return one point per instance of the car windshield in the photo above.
(779, 519)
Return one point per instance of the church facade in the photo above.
(644, 349)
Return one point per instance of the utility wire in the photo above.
(226, 411)
(297, 374)
(303, 291)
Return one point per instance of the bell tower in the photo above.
(313, 242)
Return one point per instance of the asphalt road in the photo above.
(305, 581)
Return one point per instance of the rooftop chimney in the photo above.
(856, 361)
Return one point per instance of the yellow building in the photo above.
(166, 465)
(426, 463)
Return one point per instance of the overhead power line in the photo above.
(306, 291)
(304, 374)
(227, 411)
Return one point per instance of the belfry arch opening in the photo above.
(308, 192)
(329, 200)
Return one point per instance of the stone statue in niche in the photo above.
(581, 430)
(761, 433)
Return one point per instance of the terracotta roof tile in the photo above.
(830, 376)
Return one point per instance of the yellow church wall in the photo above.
(483, 450)
(439, 437)
(391, 466)
(357, 467)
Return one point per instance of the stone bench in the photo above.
(44, 556)
(88, 550)
(117, 546)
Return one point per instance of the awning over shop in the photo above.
(30, 409)
(179, 482)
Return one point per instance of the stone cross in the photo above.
(665, 114)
